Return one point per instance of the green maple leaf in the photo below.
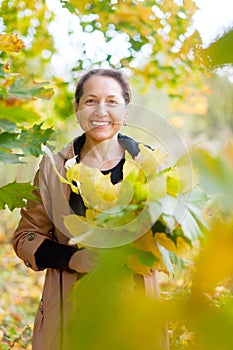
(12, 158)
(9, 140)
(7, 125)
(29, 89)
(31, 139)
(14, 195)
(186, 210)
(19, 113)
(28, 141)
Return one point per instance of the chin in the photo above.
(102, 135)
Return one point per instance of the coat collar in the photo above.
(73, 149)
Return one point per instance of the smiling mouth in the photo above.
(95, 123)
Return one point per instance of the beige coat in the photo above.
(44, 220)
(40, 221)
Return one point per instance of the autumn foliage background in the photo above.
(171, 73)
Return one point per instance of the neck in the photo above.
(102, 155)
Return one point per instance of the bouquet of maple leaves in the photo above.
(155, 212)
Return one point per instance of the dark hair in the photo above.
(111, 73)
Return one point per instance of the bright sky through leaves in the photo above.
(212, 17)
(210, 20)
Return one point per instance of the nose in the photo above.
(101, 110)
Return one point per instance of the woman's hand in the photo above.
(83, 261)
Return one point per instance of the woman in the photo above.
(41, 241)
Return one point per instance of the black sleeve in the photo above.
(51, 254)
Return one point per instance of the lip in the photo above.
(99, 123)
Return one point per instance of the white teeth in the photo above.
(100, 123)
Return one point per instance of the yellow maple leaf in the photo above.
(96, 189)
(157, 188)
(148, 243)
(76, 225)
(181, 248)
(182, 177)
(130, 169)
(164, 241)
(134, 264)
(91, 215)
(11, 42)
(173, 184)
(147, 161)
(135, 15)
(72, 172)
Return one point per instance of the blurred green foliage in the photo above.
(219, 51)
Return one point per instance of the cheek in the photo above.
(121, 113)
(83, 113)
(78, 117)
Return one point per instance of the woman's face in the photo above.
(102, 109)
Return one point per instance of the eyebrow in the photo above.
(92, 95)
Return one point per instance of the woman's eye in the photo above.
(90, 101)
(112, 102)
